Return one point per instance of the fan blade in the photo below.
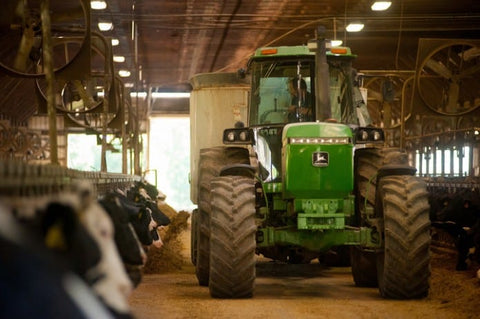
(469, 54)
(438, 68)
(374, 95)
(26, 44)
(83, 93)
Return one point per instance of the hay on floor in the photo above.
(169, 257)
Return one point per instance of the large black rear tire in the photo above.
(232, 238)
(211, 161)
(367, 163)
(404, 266)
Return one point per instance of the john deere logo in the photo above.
(320, 159)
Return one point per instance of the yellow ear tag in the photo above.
(54, 238)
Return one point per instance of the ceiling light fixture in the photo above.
(105, 26)
(124, 73)
(115, 42)
(381, 5)
(336, 43)
(355, 27)
(118, 58)
(98, 4)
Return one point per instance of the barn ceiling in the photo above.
(177, 39)
(166, 42)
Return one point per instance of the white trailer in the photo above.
(217, 101)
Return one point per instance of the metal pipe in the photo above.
(123, 128)
(322, 105)
(443, 163)
(136, 134)
(50, 79)
(108, 82)
(470, 160)
(402, 112)
(452, 166)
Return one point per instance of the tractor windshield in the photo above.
(282, 92)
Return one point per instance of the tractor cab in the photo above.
(283, 82)
(283, 91)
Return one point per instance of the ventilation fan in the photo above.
(21, 34)
(79, 115)
(449, 79)
(83, 97)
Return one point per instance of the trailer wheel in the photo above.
(232, 238)
(193, 238)
(404, 266)
(203, 248)
(211, 161)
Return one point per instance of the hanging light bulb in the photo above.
(105, 26)
(381, 5)
(355, 27)
(98, 4)
(124, 73)
(118, 58)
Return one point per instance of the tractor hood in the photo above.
(317, 160)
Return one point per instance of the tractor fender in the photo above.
(245, 170)
(395, 169)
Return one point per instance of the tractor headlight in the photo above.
(376, 136)
(231, 136)
(243, 135)
(237, 136)
(365, 135)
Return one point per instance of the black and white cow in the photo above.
(35, 281)
(64, 235)
(141, 212)
(140, 219)
(95, 240)
(113, 285)
(145, 195)
(125, 236)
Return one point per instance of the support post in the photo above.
(50, 79)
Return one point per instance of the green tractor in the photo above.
(297, 181)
